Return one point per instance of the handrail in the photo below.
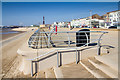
(75, 32)
(76, 48)
(61, 49)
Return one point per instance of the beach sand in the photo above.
(10, 59)
(6, 36)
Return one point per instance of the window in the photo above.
(114, 20)
(110, 15)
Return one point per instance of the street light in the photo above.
(119, 5)
(90, 18)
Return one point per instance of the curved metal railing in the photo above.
(49, 35)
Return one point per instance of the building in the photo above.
(96, 16)
(112, 19)
(96, 21)
(78, 23)
(61, 24)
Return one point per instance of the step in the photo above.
(41, 74)
(58, 72)
(104, 68)
(72, 70)
(110, 60)
(93, 70)
(49, 73)
(1, 75)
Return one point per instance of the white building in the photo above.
(113, 18)
(61, 24)
(79, 22)
(97, 23)
(55, 23)
(86, 22)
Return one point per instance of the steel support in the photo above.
(68, 39)
(87, 38)
(31, 68)
(99, 48)
(48, 40)
(57, 59)
(60, 59)
(99, 45)
(76, 56)
(80, 56)
(35, 67)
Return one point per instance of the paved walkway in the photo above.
(75, 71)
(108, 39)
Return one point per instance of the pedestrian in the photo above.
(49, 27)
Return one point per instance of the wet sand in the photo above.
(6, 36)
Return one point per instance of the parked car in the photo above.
(111, 27)
(84, 27)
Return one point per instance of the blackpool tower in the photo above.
(43, 20)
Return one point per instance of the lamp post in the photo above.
(118, 24)
(119, 5)
(90, 18)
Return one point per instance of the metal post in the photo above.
(86, 37)
(99, 48)
(57, 59)
(31, 68)
(76, 57)
(68, 39)
(80, 56)
(48, 40)
(60, 59)
(35, 67)
(90, 18)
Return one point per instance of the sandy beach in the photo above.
(10, 58)
(14, 32)
(6, 36)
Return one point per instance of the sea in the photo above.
(7, 31)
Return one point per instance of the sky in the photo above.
(59, 0)
(28, 13)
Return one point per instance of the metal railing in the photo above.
(49, 36)
(68, 38)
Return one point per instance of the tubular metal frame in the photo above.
(58, 50)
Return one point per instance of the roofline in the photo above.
(112, 11)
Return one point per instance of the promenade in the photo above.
(23, 68)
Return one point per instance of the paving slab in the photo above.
(75, 71)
